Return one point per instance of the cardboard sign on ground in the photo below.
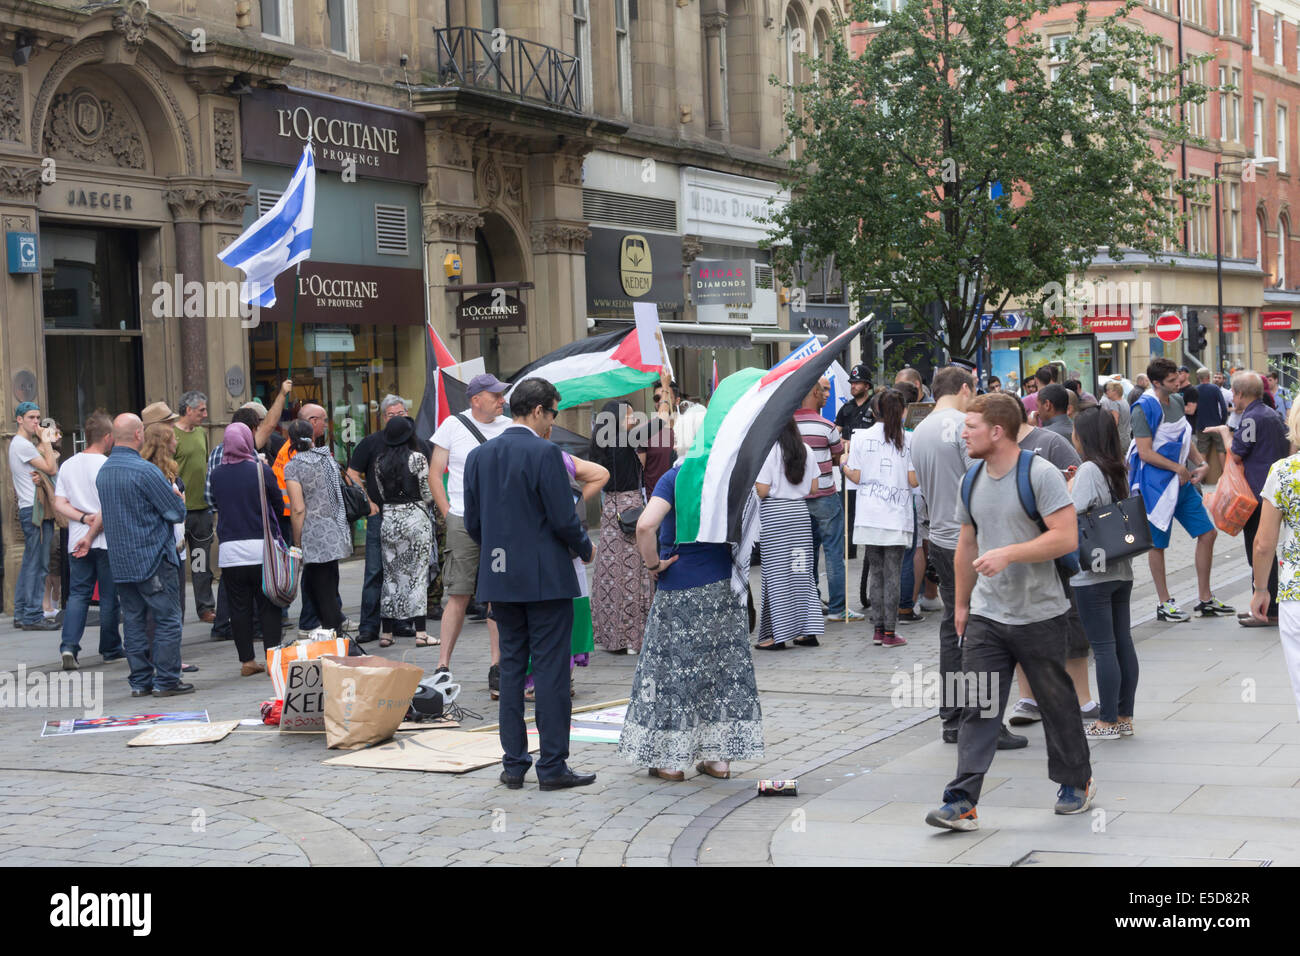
(421, 725)
(304, 698)
(435, 751)
(170, 734)
(593, 727)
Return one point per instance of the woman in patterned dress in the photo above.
(621, 589)
(320, 525)
(406, 541)
(693, 694)
(1279, 523)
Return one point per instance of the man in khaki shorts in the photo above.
(455, 438)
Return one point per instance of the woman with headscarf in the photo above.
(241, 486)
(406, 540)
(694, 697)
(621, 589)
(320, 525)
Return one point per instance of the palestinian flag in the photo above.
(433, 406)
(592, 369)
(745, 416)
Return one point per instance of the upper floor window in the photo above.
(1254, 29)
(1281, 139)
(277, 19)
(341, 27)
(1194, 11)
(1056, 58)
(582, 46)
(1258, 117)
(623, 56)
(1228, 17)
(1277, 39)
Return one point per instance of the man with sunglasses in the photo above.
(519, 511)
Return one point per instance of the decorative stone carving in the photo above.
(456, 153)
(223, 136)
(559, 237)
(17, 224)
(568, 170)
(20, 182)
(692, 246)
(184, 202)
(452, 226)
(489, 181)
(512, 179)
(11, 109)
(93, 129)
(227, 204)
(713, 22)
(133, 23)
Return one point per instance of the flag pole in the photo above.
(293, 322)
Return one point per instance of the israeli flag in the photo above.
(808, 348)
(839, 393)
(279, 239)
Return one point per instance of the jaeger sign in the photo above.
(378, 143)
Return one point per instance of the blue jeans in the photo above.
(155, 664)
(29, 593)
(828, 533)
(907, 585)
(373, 585)
(1104, 609)
(83, 573)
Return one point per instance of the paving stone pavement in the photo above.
(259, 797)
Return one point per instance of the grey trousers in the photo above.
(884, 583)
(990, 651)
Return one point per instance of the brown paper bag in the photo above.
(366, 698)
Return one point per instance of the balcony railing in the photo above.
(511, 65)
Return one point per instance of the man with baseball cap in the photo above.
(455, 438)
(855, 415)
(32, 448)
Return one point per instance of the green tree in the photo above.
(902, 151)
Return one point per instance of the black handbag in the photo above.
(628, 517)
(355, 503)
(1115, 531)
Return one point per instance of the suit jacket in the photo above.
(519, 508)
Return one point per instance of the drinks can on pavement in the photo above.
(778, 788)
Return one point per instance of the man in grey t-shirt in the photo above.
(940, 460)
(1113, 402)
(1011, 610)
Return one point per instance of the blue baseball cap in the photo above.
(486, 382)
(25, 407)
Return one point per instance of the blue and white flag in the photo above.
(279, 239)
(839, 393)
(808, 348)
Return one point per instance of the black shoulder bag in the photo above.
(628, 517)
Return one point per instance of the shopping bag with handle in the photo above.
(278, 658)
(1232, 502)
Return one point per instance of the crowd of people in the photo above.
(963, 501)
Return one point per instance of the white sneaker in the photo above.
(848, 615)
(1025, 712)
(930, 604)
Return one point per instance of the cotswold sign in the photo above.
(489, 310)
(372, 141)
(339, 293)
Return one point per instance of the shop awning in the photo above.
(692, 335)
(764, 337)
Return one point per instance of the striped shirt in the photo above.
(140, 508)
(823, 439)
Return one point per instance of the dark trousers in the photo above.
(320, 583)
(848, 526)
(949, 645)
(1104, 609)
(155, 661)
(244, 591)
(1248, 536)
(542, 630)
(373, 584)
(990, 652)
(83, 574)
(198, 535)
(151, 621)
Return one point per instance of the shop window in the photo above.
(391, 237)
(277, 20)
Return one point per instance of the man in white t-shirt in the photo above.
(32, 450)
(455, 438)
(77, 499)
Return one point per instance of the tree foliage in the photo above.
(899, 151)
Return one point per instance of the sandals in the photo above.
(427, 641)
(676, 776)
(386, 641)
(703, 767)
(770, 646)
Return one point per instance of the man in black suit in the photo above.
(519, 509)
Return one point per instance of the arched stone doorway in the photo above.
(499, 257)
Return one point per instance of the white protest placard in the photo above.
(304, 698)
(467, 370)
(647, 327)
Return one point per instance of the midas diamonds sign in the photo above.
(722, 281)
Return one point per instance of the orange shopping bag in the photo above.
(1232, 502)
(279, 658)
